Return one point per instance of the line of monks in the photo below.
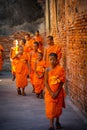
(31, 59)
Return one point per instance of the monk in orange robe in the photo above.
(39, 38)
(29, 43)
(1, 56)
(22, 43)
(21, 71)
(32, 60)
(39, 75)
(51, 48)
(13, 52)
(54, 94)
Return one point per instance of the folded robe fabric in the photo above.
(54, 106)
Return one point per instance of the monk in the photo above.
(54, 94)
(29, 43)
(22, 43)
(21, 71)
(1, 56)
(51, 48)
(13, 52)
(39, 75)
(32, 60)
(39, 39)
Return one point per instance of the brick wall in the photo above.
(76, 57)
(68, 24)
(77, 61)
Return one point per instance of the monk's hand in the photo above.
(55, 95)
(11, 59)
(18, 54)
(39, 77)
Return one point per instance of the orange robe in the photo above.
(28, 56)
(21, 71)
(54, 106)
(1, 57)
(29, 46)
(33, 58)
(13, 61)
(39, 82)
(40, 40)
(53, 49)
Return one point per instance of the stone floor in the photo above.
(28, 113)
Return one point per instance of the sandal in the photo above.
(37, 95)
(58, 126)
(23, 94)
(41, 96)
(51, 128)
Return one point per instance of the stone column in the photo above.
(47, 15)
(53, 17)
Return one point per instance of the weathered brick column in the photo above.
(68, 25)
(76, 44)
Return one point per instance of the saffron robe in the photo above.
(33, 58)
(52, 49)
(54, 106)
(39, 82)
(40, 40)
(21, 71)
(13, 61)
(29, 46)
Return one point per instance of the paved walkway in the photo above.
(28, 113)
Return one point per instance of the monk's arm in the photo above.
(62, 80)
(58, 90)
(45, 53)
(10, 55)
(42, 75)
(16, 56)
(46, 82)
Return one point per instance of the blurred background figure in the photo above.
(1, 56)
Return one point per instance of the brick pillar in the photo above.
(53, 18)
(47, 17)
